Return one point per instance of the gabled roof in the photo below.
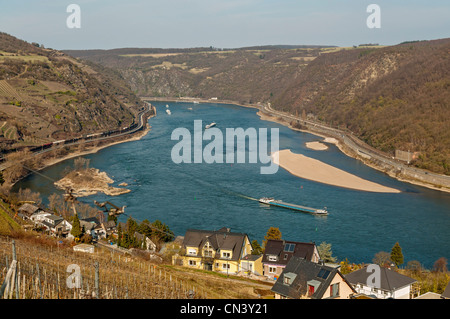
(54, 217)
(390, 280)
(28, 209)
(219, 239)
(302, 273)
(109, 224)
(278, 248)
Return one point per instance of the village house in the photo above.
(93, 227)
(252, 264)
(277, 254)
(39, 216)
(219, 250)
(392, 285)
(56, 225)
(27, 210)
(109, 228)
(147, 243)
(303, 279)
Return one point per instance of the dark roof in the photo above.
(139, 236)
(54, 217)
(446, 293)
(277, 248)
(91, 220)
(301, 272)
(28, 209)
(389, 279)
(218, 239)
(251, 257)
(109, 224)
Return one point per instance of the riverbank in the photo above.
(95, 149)
(47, 162)
(327, 139)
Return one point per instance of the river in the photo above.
(212, 196)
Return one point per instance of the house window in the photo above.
(192, 252)
(272, 270)
(289, 247)
(225, 266)
(226, 255)
(192, 263)
(334, 290)
(285, 256)
(272, 258)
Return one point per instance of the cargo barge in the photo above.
(280, 203)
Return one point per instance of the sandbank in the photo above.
(315, 170)
(89, 182)
(317, 146)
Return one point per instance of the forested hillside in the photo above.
(46, 95)
(394, 97)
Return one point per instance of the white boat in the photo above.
(168, 112)
(167, 105)
(196, 102)
(190, 108)
(210, 125)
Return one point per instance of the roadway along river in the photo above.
(211, 196)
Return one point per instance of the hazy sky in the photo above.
(107, 24)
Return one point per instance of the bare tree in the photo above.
(382, 258)
(440, 265)
(26, 195)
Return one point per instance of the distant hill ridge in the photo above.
(392, 97)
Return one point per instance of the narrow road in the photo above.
(360, 147)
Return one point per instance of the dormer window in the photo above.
(272, 258)
(289, 248)
(226, 254)
(313, 285)
(288, 278)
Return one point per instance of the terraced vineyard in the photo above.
(45, 267)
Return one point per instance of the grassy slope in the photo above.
(7, 224)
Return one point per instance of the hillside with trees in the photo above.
(46, 95)
(392, 97)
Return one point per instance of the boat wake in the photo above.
(222, 189)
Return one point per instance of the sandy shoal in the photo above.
(317, 146)
(315, 170)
